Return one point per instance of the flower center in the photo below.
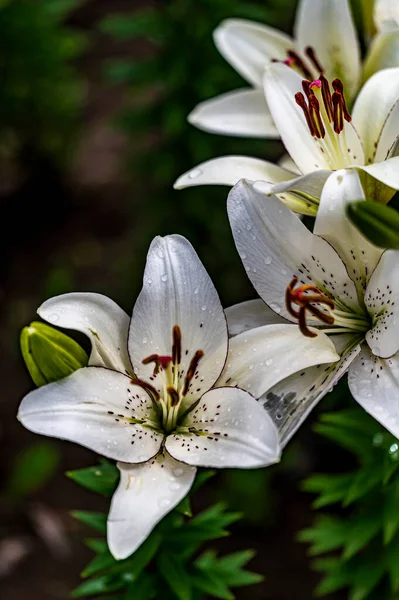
(306, 301)
(325, 115)
(174, 387)
(309, 298)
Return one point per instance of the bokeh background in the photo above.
(94, 96)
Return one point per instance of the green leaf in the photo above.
(97, 521)
(211, 585)
(98, 585)
(360, 531)
(175, 575)
(32, 469)
(99, 563)
(185, 507)
(377, 222)
(146, 22)
(49, 354)
(102, 478)
(143, 588)
(328, 533)
(145, 553)
(362, 482)
(331, 488)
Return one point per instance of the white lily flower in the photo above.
(333, 280)
(156, 395)
(249, 47)
(321, 136)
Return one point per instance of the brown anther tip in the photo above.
(311, 54)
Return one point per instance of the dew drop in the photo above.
(203, 307)
(53, 318)
(268, 260)
(276, 307)
(174, 487)
(164, 278)
(164, 502)
(178, 472)
(149, 281)
(243, 255)
(269, 362)
(194, 173)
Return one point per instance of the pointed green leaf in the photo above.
(102, 478)
(175, 575)
(95, 520)
(377, 222)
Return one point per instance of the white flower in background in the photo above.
(324, 38)
(321, 136)
(333, 280)
(156, 395)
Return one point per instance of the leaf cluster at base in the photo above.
(171, 563)
(361, 538)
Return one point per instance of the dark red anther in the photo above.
(338, 115)
(311, 54)
(315, 114)
(191, 370)
(176, 345)
(338, 87)
(300, 100)
(299, 62)
(325, 91)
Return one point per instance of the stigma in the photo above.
(306, 298)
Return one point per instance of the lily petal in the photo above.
(382, 301)
(290, 401)
(320, 25)
(228, 170)
(146, 493)
(177, 290)
(96, 408)
(383, 53)
(275, 246)
(100, 318)
(286, 162)
(231, 430)
(301, 194)
(377, 97)
(385, 173)
(261, 357)
(242, 113)
(247, 315)
(386, 15)
(250, 46)
(358, 254)
(374, 383)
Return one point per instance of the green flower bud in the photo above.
(377, 222)
(49, 354)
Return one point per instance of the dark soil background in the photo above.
(88, 229)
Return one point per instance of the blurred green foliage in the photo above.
(361, 536)
(31, 470)
(171, 563)
(41, 94)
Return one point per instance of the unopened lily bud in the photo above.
(377, 222)
(49, 354)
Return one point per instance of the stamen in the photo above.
(338, 113)
(160, 361)
(305, 301)
(325, 91)
(147, 387)
(311, 54)
(176, 346)
(174, 396)
(191, 370)
(338, 87)
(300, 100)
(297, 60)
(315, 113)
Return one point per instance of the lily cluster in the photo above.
(182, 383)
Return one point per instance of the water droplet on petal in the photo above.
(268, 260)
(164, 502)
(53, 318)
(164, 278)
(276, 307)
(194, 173)
(178, 472)
(174, 487)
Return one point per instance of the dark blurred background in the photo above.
(93, 102)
